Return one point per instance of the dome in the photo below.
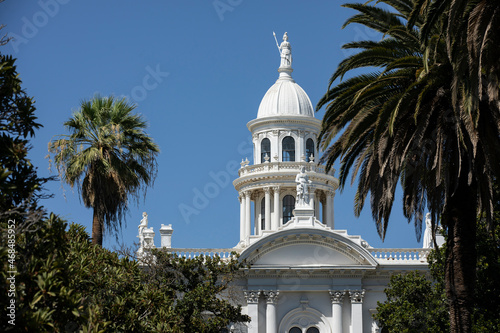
(285, 97)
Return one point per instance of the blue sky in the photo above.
(197, 71)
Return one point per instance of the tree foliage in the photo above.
(201, 287)
(416, 302)
(20, 186)
(400, 123)
(108, 157)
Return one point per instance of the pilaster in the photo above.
(337, 299)
(356, 297)
(252, 297)
(271, 320)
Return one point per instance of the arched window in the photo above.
(310, 149)
(295, 330)
(312, 330)
(288, 147)
(288, 207)
(265, 149)
(263, 214)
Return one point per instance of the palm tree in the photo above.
(472, 36)
(108, 156)
(397, 124)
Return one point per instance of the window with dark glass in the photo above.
(265, 149)
(288, 148)
(309, 149)
(295, 330)
(312, 330)
(288, 207)
(263, 214)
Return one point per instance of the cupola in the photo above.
(285, 97)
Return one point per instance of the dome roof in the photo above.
(285, 97)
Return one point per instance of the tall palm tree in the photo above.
(397, 124)
(108, 156)
(472, 36)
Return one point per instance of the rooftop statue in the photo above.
(142, 226)
(285, 51)
(428, 244)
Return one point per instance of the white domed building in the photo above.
(304, 275)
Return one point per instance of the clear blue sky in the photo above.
(197, 71)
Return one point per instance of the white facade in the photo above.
(305, 275)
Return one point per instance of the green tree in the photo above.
(398, 124)
(414, 304)
(108, 156)
(164, 293)
(472, 36)
(201, 288)
(34, 274)
(417, 303)
(20, 186)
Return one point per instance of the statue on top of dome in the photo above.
(285, 51)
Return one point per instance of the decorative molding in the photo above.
(334, 244)
(337, 296)
(252, 296)
(271, 296)
(357, 295)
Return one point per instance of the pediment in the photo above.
(306, 248)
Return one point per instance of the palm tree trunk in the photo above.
(97, 229)
(460, 268)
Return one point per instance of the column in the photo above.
(271, 320)
(256, 218)
(357, 310)
(316, 205)
(337, 298)
(277, 212)
(324, 216)
(248, 216)
(241, 197)
(300, 146)
(312, 198)
(252, 297)
(267, 217)
(329, 209)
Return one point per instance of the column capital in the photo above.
(357, 295)
(276, 189)
(252, 296)
(271, 296)
(337, 296)
(247, 193)
(267, 189)
(330, 193)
